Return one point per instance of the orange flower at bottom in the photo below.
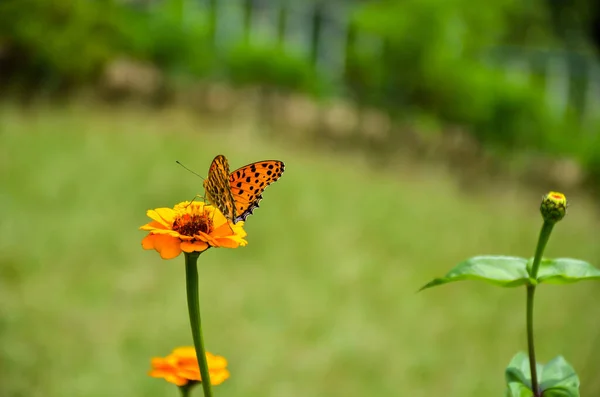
(190, 227)
(181, 367)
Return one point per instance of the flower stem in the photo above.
(530, 346)
(537, 259)
(541, 246)
(185, 390)
(191, 278)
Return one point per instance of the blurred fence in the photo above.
(321, 32)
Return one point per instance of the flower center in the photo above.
(190, 225)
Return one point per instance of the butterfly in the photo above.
(237, 194)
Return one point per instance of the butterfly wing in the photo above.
(217, 189)
(248, 183)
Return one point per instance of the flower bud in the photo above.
(554, 207)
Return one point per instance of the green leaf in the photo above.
(518, 390)
(561, 392)
(505, 271)
(517, 375)
(565, 271)
(557, 378)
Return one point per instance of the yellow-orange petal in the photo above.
(148, 241)
(184, 205)
(218, 377)
(238, 229)
(240, 242)
(226, 229)
(217, 216)
(226, 242)
(158, 362)
(196, 246)
(164, 216)
(207, 238)
(177, 380)
(153, 225)
(167, 246)
(181, 366)
(189, 373)
(185, 352)
(168, 376)
(230, 230)
(169, 232)
(209, 357)
(217, 362)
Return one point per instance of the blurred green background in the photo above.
(415, 134)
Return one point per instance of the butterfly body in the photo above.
(237, 194)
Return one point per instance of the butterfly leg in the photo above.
(207, 201)
(194, 199)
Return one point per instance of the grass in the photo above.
(322, 302)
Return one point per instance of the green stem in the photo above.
(537, 259)
(191, 278)
(541, 246)
(532, 367)
(185, 390)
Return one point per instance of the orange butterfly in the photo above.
(237, 194)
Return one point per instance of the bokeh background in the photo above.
(415, 134)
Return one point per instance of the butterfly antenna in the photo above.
(195, 173)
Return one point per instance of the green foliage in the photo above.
(61, 41)
(566, 270)
(588, 151)
(427, 58)
(162, 35)
(509, 271)
(505, 271)
(500, 112)
(69, 42)
(557, 378)
(433, 59)
(365, 78)
(271, 66)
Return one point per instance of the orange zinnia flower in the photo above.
(190, 227)
(181, 367)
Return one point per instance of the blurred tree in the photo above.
(575, 21)
(594, 26)
(432, 60)
(57, 43)
(65, 43)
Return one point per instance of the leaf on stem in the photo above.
(565, 271)
(504, 271)
(557, 378)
